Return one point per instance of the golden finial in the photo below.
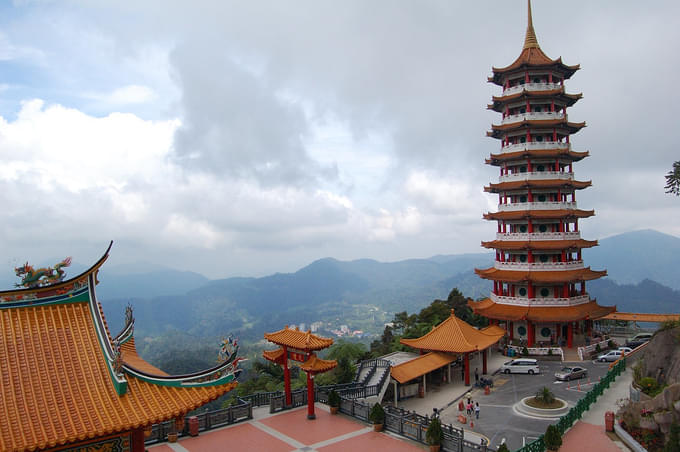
(530, 41)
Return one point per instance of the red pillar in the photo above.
(286, 378)
(531, 333)
(137, 440)
(310, 396)
(466, 361)
(512, 330)
(570, 335)
(484, 361)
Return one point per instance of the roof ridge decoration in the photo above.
(530, 40)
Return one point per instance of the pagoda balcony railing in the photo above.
(525, 236)
(537, 175)
(541, 301)
(531, 145)
(533, 116)
(531, 87)
(552, 205)
(538, 266)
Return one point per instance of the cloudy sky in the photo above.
(244, 138)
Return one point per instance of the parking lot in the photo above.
(498, 421)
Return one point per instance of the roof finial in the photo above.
(530, 40)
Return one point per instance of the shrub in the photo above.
(503, 448)
(545, 395)
(673, 443)
(434, 435)
(550, 352)
(649, 385)
(598, 349)
(611, 344)
(525, 351)
(638, 369)
(552, 438)
(333, 399)
(377, 414)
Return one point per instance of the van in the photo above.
(521, 366)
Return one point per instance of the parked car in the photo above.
(642, 337)
(636, 344)
(611, 356)
(521, 366)
(626, 350)
(571, 373)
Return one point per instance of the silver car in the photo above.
(611, 356)
(571, 373)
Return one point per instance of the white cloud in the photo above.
(125, 95)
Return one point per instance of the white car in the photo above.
(611, 356)
(521, 366)
(626, 350)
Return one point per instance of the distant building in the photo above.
(539, 277)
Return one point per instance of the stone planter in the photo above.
(549, 413)
(172, 437)
(377, 427)
(435, 447)
(648, 423)
(334, 409)
(663, 417)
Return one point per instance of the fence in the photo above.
(581, 406)
(585, 352)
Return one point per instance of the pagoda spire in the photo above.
(530, 40)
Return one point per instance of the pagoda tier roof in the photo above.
(549, 276)
(491, 310)
(317, 365)
(454, 335)
(532, 57)
(642, 317)
(500, 130)
(539, 214)
(297, 339)
(539, 244)
(499, 102)
(540, 183)
(500, 159)
(420, 366)
(275, 356)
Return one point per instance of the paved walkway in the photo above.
(589, 433)
(292, 431)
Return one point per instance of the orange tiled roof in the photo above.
(499, 102)
(275, 356)
(420, 366)
(541, 183)
(539, 244)
(555, 276)
(56, 384)
(317, 365)
(539, 214)
(500, 130)
(491, 310)
(498, 159)
(454, 335)
(298, 339)
(642, 317)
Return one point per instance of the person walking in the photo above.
(477, 410)
(476, 376)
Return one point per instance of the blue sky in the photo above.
(243, 139)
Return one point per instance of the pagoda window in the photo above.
(542, 228)
(522, 258)
(523, 198)
(523, 228)
(541, 198)
(545, 292)
(523, 110)
(537, 80)
(537, 109)
(540, 167)
(522, 292)
(539, 138)
(523, 169)
(544, 258)
(522, 139)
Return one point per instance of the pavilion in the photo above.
(444, 344)
(68, 384)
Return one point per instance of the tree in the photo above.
(345, 371)
(673, 180)
(552, 438)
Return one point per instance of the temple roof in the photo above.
(549, 276)
(454, 335)
(539, 244)
(532, 57)
(491, 310)
(420, 366)
(298, 339)
(642, 317)
(499, 159)
(537, 183)
(499, 102)
(57, 382)
(317, 365)
(275, 356)
(539, 214)
(500, 130)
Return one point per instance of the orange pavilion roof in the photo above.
(317, 365)
(275, 356)
(556, 276)
(541, 183)
(498, 159)
(500, 130)
(57, 388)
(420, 366)
(642, 317)
(298, 339)
(491, 310)
(499, 102)
(539, 244)
(539, 214)
(454, 335)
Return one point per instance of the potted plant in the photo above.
(503, 448)
(434, 435)
(377, 417)
(552, 438)
(334, 401)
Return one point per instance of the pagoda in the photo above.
(539, 278)
(68, 384)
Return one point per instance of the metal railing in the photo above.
(545, 205)
(514, 236)
(531, 87)
(535, 145)
(537, 266)
(533, 115)
(537, 175)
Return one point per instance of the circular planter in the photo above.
(522, 407)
